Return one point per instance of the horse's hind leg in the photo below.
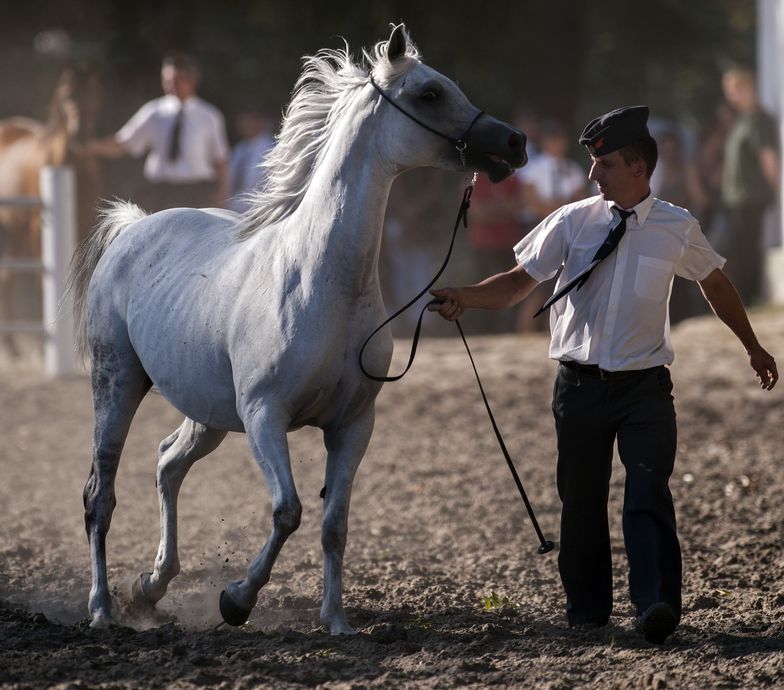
(267, 436)
(119, 383)
(176, 455)
(346, 446)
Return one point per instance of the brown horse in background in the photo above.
(26, 146)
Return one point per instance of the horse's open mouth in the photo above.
(498, 168)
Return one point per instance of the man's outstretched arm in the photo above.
(723, 299)
(496, 292)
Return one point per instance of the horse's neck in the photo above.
(340, 219)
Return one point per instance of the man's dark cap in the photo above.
(616, 129)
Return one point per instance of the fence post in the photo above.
(58, 240)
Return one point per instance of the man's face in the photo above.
(616, 178)
(177, 82)
(740, 93)
(555, 145)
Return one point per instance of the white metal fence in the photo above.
(58, 240)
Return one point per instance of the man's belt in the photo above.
(594, 370)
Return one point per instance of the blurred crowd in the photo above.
(726, 173)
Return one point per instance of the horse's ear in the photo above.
(397, 44)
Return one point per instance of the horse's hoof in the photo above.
(337, 624)
(341, 628)
(101, 621)
(139, 599)
(231, 613)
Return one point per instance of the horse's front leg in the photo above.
(346, 446)
(266, 432)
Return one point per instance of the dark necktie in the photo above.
(176, 135)
(609, 244)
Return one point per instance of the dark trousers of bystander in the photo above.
(743, 250)
(591, 412)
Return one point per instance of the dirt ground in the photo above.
(442, 576)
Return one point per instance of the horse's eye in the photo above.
(430, 95)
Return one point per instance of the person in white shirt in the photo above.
(609, 322)
(549, 181)
(184, 139)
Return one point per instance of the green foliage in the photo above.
(495, 602)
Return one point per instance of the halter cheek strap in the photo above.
(460, 144)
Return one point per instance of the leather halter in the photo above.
(460, 143)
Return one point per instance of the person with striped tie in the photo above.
(184, 140)
(617, 253)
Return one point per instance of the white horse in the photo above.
(253, 323)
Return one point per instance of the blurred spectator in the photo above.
(496, 224)
(551, 179)
(548, 182)
(184, 138)
(420, 212)
(675, 179)
(527, 121)
(750, 181)
(709, 163)
(255, 132)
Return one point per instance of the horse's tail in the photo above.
(113, 218)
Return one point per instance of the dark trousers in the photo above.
(744, 250)
(590, 414)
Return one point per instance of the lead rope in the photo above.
(545, 545)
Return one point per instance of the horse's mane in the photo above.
(321, 95)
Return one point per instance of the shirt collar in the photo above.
(641, 210)
(176, 104)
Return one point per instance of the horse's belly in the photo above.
(215, 411)
(192, 373)
(200, 396)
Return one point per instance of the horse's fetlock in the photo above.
(168, 570)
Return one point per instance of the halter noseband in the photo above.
(460, 144)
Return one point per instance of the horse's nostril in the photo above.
(517, 140)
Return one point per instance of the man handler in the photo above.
(609, 326)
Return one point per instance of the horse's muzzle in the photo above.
(496, 148)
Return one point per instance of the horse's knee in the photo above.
(169, 470)
(287, 515)
(167, 443)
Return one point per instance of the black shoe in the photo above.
(656, 623)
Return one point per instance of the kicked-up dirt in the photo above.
(442, 578)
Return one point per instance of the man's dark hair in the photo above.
(644, 150)
(183, 61)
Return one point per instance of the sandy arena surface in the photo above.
(442, 576)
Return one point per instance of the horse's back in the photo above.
(15, 128)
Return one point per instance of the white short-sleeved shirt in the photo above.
(554, 178)
(203, 141)
(619, 319)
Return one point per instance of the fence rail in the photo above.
(58, 240)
